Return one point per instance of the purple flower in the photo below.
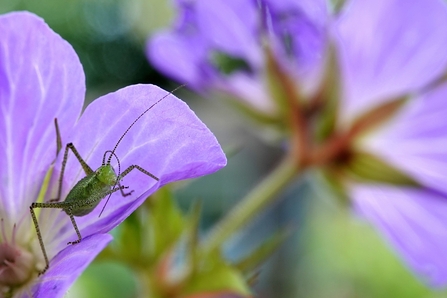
(217, 45)
(41, 79)
(391, 49)
(386, 50)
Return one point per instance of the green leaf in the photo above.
(335, 184)
(214, 274)
(166, 221)
(377, 115)
(217, 294)
(337, 5)
(262, 252)
(369, 168)
(228, 64)
(283, 88)
(192, 235)
(327, 98)
(129, 239)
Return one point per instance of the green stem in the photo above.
(145, 289)
(262, 195)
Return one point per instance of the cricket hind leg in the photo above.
(84, 165)
(39, 234)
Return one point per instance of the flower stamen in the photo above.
(16, 263)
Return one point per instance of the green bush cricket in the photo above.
(87, 193)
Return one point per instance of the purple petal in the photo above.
(169, 141)
(249, 89)
(298, 37)
(389, 48)
(231, 27)
(416, 140)
(68, 265)
(415, 223)
(41, 78)
(176, 57)
(315, 10)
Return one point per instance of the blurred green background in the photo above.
(330, 253)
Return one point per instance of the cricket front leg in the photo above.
(121, 187)
(132, 167)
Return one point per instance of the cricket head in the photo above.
(106, 174)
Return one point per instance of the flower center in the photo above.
(16, 265)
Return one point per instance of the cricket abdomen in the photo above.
(86, 195)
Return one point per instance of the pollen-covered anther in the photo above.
(16, 265)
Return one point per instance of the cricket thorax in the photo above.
(86, 195)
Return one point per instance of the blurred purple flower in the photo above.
(386, 49)
(390, 49)
(217, 45)
(41, 78)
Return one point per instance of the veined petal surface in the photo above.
(68, 265)
(41, 79)
(389, 48)
(413, 220)
(169, 141)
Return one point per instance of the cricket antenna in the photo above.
(116, 182)
(138, 118)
